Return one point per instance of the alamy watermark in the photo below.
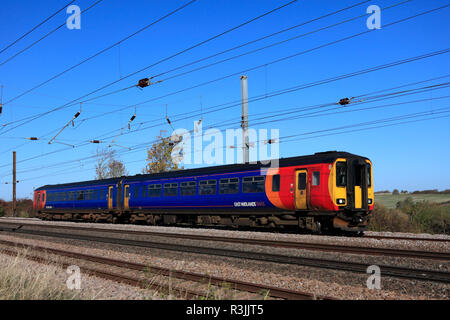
(74, 280)
(212, 147)
(74, 20)
(374, 20)
(374, 280)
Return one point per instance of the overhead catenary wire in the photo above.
(101, 51)
(34, 117)
(237, 73)
(380, 106)
(240, 55)
(45, 36)
(35, 27)
(433, 10)
(308, 85)
(222, 52)
(262, 65)
(228, 76)
(437, 114)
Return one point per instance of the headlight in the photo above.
(369, 201)
(341, 201)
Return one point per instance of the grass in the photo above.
(390, 201)
(21, 280)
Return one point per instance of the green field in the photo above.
(389, 200)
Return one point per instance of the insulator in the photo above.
(144, 83)
(344, 101)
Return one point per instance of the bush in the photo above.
(431, 217)
(395, 192)
(433, 191)
(383, 219)
(24, 208)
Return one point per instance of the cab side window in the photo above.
(341, 174)
(316, 178)
(276, 183)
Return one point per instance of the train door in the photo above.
(126, 197)
(110, 197)
(301, 189)
(360, 185)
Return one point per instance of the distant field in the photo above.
(389, 200)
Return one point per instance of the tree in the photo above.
(395, 192)
(159, 156)
(107, 165)
(116, 169)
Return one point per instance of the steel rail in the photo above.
(405, 238)
(121, 278)
(444, 256)
(271, 291)
(393, 271)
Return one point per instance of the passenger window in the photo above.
(136, 192)
(72, 196)
(341, 174)
(154, 190)
(207, 187)
(80, 195)
(229, 186)
(144, 191)
(276, 183)
(89, 195)
(316, 178)
(253, 184)
(302, 181)
(170, 189)
(188, 188)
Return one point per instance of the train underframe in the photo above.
(351, 222)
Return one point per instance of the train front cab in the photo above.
(351, 187)
(39, 200)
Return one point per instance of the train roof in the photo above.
(319, 157)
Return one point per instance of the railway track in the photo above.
(270, 291)
(406, 238)
(7, 219)
(393, 271)
(273, 243)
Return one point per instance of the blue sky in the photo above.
(410, 156)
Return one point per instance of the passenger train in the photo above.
(325, 192)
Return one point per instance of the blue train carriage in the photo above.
(185, 196)
(90, 200)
